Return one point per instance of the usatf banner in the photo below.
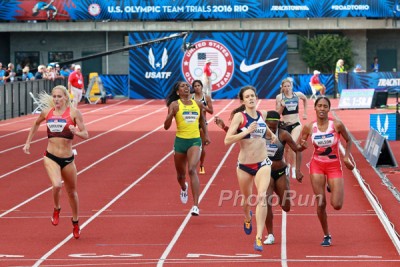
(193, 9)
(237, 59)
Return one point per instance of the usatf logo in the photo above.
(158, 65)
(382, 129)
(222, 64)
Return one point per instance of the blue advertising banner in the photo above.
(193, 9)
(381, 81)
(238, 59)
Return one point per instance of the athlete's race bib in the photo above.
(190, 116)
(291, 105)
(324, 140)
(56, 125)
(271, 149)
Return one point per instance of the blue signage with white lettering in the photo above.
(237, 59)
(193, 9)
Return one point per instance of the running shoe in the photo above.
(293, 172)
(76, 230)
(202, 170)
(327, 241)
(247, 225)
(270, 239)
(258, 244)
(184, 194)
(55, 219)
(195, 211)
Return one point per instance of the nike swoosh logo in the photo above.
(247, 68)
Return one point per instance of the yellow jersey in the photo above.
(187, 120)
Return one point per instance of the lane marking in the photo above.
(348, 257)
(237, 255)
(283, 242)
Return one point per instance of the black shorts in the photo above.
(62, 162)
(290, 127)
(276, 174)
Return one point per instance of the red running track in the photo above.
(130, 212)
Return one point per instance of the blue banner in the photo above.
(238, 59)
(381, 81)
(170, 10)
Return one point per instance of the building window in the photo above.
(293, 42)
(60, 56)
(23, 59)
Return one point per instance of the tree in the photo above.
(323, 51)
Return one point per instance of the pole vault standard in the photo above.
(183, 35)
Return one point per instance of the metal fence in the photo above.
(15, 100)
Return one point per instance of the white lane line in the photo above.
(283, 242)
(347, 257)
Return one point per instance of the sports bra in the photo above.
(326, 144)
(58, 126)
(247, 120)
(291, 104)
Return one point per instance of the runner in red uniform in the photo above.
(63, 123)
(325, 166)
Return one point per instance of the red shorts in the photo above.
(332, 169)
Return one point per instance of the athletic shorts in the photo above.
(62, 162)
(252, 169)
(276, 174)
(290, 127)
(332, 169)
(182, 145)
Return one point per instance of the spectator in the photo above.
(50, 73)
(76, 85)
(375, 65)
(358, 68)
(9, 74)
(58, 72)
(27, 75)
(2, 73)
(339, 69)
(65, 71)
(207, 89)
(40, 73)
(316, 83)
